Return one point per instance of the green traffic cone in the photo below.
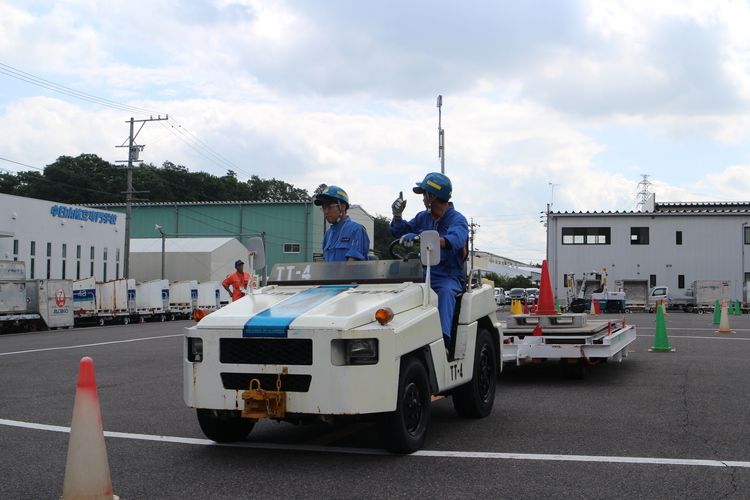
(717, 314)
(557, 306)
(737, 309)
(661, 342)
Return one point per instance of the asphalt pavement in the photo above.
(657, 425)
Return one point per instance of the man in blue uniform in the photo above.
(344, 239)
(449, 277)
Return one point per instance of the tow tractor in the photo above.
(325, 340)
(572, 338)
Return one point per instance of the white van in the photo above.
(499, 296)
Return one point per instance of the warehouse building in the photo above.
(292, 230)
(503, 266)
(670, 244)
(202, 259)
(60, 241)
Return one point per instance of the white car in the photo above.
(335, 339)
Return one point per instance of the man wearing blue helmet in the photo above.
(344, 239)
(449, 277)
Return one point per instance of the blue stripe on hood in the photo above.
(275, 321)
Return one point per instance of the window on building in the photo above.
(117, 270)
(49, 268)
(680, 281)
(32, 248)
(104, 267)
(49, 249)
(291, 248)
(93, 253)
(652, 280)
(91, 269)
(586, 235)
(78, 251)
(78, 270)
(64, 250)
(31, 268)
(15, 248)
(639, 236)
(747, 235)
(63, 269)
(678, 237)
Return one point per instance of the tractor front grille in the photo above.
(289, 383)
(254, 351)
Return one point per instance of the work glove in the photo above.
(399, 205)
(407, 240)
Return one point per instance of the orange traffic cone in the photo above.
(609, 328)
(87, 468)
(538, 332)
(546, 304)
(724, 322)
(592, 311)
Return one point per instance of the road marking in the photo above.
(698, 337)
(90, 345)
(422, 453)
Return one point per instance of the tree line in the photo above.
(88, 179)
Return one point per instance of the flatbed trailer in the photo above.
(571, 338)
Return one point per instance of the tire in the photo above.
(574, 371)
(404, 430)
(476, 398)
(101, 322)
(125, 320)
(224, 426)
(162, 318)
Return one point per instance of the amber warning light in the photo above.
(384, 315)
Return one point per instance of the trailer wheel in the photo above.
(101, 322)
(162, 318)
(126, 320)
(224, 426)
(574, 370)
(475, 398)
(141, 319)
(404, 430)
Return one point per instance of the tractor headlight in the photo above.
(195, 349)
(361, 351)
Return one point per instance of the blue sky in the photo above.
(586, 95)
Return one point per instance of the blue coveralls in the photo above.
(345, 239)
(449, 277)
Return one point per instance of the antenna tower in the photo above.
(643, 193)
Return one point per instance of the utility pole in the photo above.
(133, 150)
(472, 230)
(441, 134)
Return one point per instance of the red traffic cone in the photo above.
(546, 297)
(87, 468)
(597, 307)
(538, 332)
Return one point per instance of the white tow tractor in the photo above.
(334, 339)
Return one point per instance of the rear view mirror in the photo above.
(257, 252)
(429, 248)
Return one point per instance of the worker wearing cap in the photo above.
(344, 239)
(237, 280)
(448, 277)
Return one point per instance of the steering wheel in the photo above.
(401, 252)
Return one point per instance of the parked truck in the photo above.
(699, 297)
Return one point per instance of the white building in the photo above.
(503, 266)
(202, 259)
(670, 244)
(60, 241)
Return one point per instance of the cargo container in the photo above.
(183, 298)
(152, 300)
(208, 296)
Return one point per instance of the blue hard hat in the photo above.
(437, 184)
(331, 194)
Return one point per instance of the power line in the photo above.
(50, 181)
(203, 149)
